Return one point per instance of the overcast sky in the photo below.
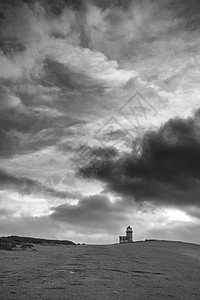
(100, 119)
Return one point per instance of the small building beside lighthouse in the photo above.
(128, 238)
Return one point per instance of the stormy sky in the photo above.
(100, 119)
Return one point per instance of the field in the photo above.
(143, 270)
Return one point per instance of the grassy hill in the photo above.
(11, 242)
(152, 270)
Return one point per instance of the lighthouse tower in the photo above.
(129, 234)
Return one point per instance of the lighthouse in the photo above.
(129, 234)
(128, 238)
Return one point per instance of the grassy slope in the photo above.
(146, 270)
(18, 240)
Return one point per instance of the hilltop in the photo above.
(150, 270)
(11, 242)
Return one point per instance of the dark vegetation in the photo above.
(25, 243)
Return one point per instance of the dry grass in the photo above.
(145, 270)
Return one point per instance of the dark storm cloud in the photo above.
(28, 130)
(27, 186)
(37, 93)
(167, 171)
(95, 211)
(28, 119)
(114, 3)
(193, 212)
(9, 142)
(117, 28)
(68, 80)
